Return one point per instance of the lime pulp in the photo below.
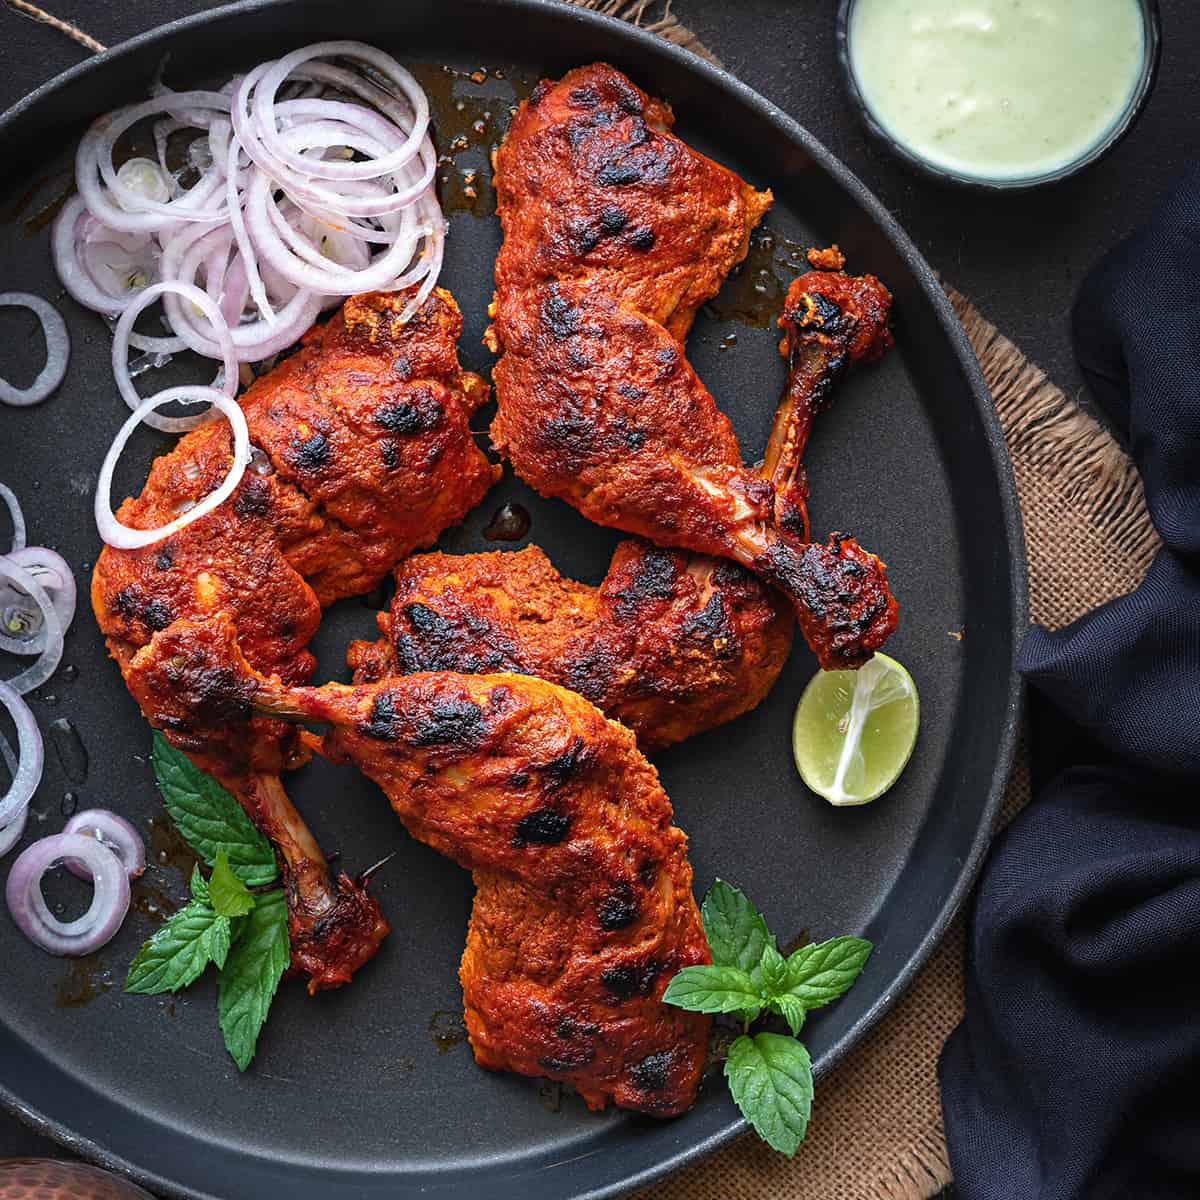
(854, 731)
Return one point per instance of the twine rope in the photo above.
(72, 31)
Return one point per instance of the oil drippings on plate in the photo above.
(447, 1029)
(550, 1094)
(719, 1040)
(471, 111)
(509, 523)
(168, 849)
(70, 748)
(83, 981)
(794, 944)
(754, 293)
(41, 201)
(151, 901)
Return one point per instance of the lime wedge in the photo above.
(854, 731)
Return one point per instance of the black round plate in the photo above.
(351, 1094)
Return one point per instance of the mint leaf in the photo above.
(199, 886)
(180, 950)
(714, 990)
(251, 974)
(209, 817)
(230, 896)
(770, 1079)
(773, 970)
(821, 972)
(791, 1010)
(736, 931)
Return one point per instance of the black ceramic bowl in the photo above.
(1133, 110)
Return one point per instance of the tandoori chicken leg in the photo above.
(615, 231)
(584, 905)
(362, 452)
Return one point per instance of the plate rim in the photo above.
(696, 1150)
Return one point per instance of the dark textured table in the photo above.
(1019, 258)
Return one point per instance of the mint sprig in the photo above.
(244, 934)
(769, 1074)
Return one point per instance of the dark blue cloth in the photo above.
(1075, 1074)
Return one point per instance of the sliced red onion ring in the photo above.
(51, 655)
(144, 178)
(110, 895)
(11, 834)
(66, 242)
(382, 273)
(112, 831)
(22, 627)
(121, 206)
(58, 350)
(25, 766)
(384, 65)
(237, 222)
(122, 536)
(14, 511)
(333, 123)
(253, 342)
(219, 332)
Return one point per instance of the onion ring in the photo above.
(275, 73)
(51, 655)
(126, 209)
(112, 831)
(122, 536)
(110, 896)
(220, 335)
(58, 350)
(25, 766)
(18, 517)
(51, 571)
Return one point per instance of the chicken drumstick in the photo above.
(362, 452)
(584, 908)
(615, 231)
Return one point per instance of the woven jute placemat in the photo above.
(877, 1131)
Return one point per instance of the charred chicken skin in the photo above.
(615, 231)
(670, 643)
(362, 453)
(584, 906)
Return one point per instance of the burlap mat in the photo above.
(877, 1131)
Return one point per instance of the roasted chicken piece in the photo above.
(670, 643)
(362, 452)
(584, 906)
(615, 231)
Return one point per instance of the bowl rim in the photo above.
(1135, 106)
